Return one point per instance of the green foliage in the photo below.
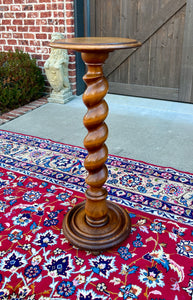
(21, 80)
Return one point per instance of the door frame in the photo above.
(79, 13)
(82, 28)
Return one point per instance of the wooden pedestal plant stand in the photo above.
(96, 224)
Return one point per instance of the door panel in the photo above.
(153, 70)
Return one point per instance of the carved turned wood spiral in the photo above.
(97, 87)
(97, 224)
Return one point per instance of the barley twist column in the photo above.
(96, 224)
(97, 86)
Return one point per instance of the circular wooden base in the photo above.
(96, 239)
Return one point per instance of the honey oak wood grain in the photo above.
(96, 224)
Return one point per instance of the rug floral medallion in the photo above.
(40, 180)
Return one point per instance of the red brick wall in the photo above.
(28, 25)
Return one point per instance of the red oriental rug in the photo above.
(40, 180)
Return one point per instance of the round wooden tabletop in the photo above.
(85, 44)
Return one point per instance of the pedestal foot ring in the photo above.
(96, 239)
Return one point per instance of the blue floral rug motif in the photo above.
(162, 191)
(40, 180)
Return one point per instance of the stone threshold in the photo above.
(15, 113)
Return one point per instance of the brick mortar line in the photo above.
(17, 112)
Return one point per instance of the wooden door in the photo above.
(163, 67)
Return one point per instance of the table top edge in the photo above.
(97, 44)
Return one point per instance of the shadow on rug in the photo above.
(40, 180)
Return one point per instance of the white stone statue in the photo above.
(56, 68)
